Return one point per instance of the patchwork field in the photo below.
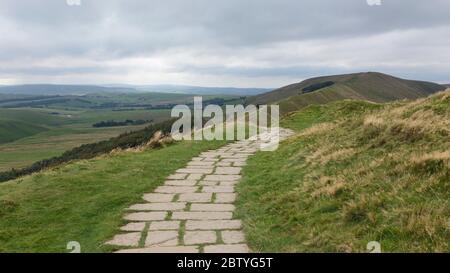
(39, 135)
(33, 128)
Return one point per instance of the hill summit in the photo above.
(370, 86)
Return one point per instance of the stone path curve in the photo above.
(193, 211)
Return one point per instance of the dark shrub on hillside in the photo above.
(317, 86)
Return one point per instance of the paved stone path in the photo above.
(193, 211)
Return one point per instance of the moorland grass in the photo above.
(355, 172)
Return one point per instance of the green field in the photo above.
(57, 134)
(36, 128)
(356, 172)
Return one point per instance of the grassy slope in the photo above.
(376, 87)
(83, 201)
(357, 172)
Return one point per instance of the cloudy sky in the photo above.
(245, 43)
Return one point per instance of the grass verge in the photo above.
(84, 201)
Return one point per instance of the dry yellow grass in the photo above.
(319, 129)
(368, 174)
(330, 188)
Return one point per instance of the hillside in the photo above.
(352, 174)
(356, 172)
(371, 86)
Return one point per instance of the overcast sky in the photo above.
(244, 43)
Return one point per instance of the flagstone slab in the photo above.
(200, 237)
(162, 238)
(210, 159)
(158, 197)
(212, 207)
(146, 216)
(218, 189)
(233, 236)
(228, 183)
(221, 177)
(234, 160)
(180, 182)
(133, 227)
(195, 171)
(195, 197)
(159, 206)
(200, 167)
(195, 215)
(208, 183)
(228, 170)
(165, 225)
(128, 239)
(201, 163)
(195, 176)
(213, 224)
(177, 176)
(176, 189)
(224, 164)
(239, 164)
(225, 198)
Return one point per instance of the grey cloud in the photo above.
(108, 30)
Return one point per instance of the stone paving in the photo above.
(193, 211)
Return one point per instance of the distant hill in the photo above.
(199, 90)
(57, 89)
(370, 86)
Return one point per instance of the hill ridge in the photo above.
(370, 86)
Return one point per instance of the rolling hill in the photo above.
(370, 86)
(58, 89)
(353, 173)
(199, 90)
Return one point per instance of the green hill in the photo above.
(371, 86)
(356, 172)
(19, 123)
